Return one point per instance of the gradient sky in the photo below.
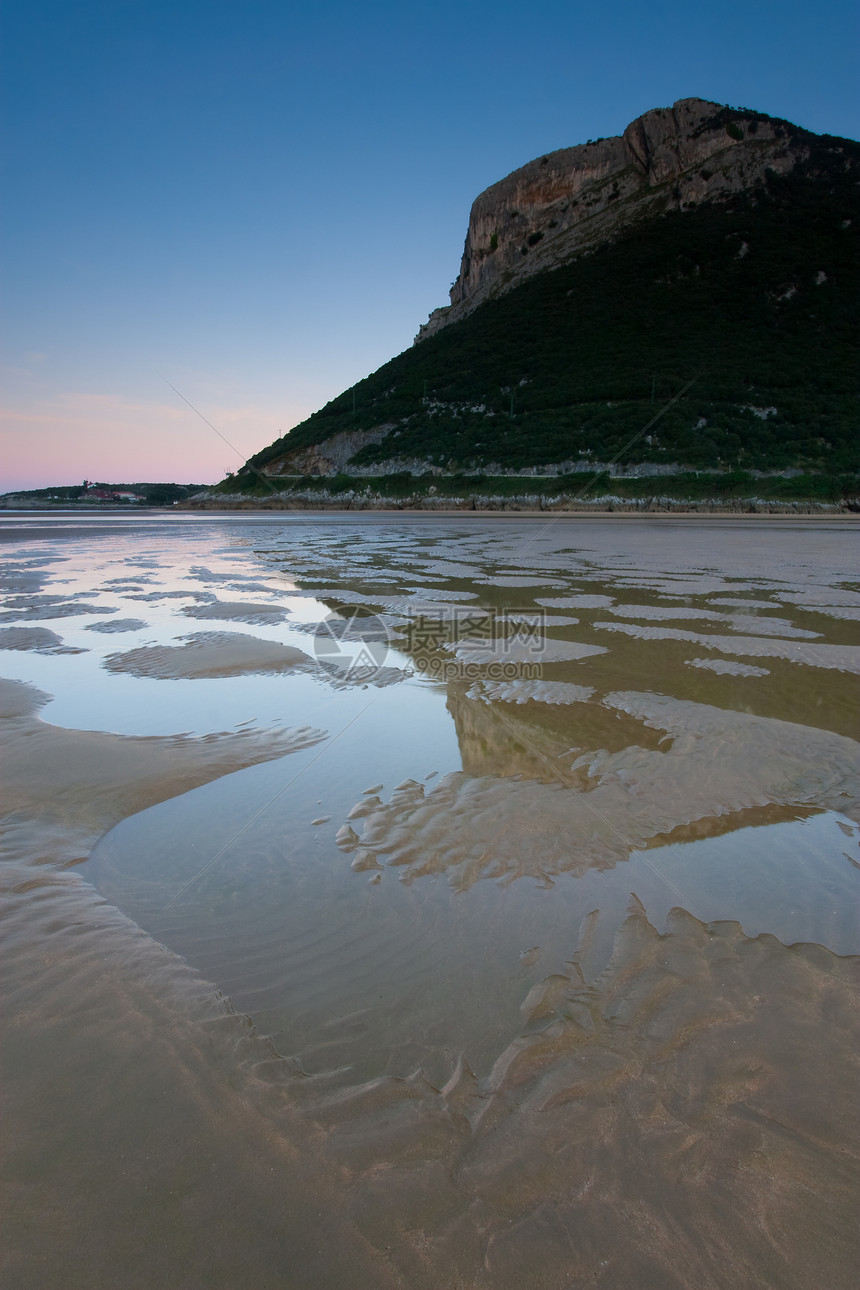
(260, 201)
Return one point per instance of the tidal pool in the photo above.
(420, 901)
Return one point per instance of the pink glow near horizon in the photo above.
(77, 436)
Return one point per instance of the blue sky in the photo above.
(261, 201)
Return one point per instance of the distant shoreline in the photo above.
(810, 515)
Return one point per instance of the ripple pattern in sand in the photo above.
(716, 763)
(209, 654)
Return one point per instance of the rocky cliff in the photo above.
(565, 204)
(682, 298)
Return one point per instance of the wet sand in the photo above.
(603, 806)
(74, 785)
(498, 1057)
(208, 654)
(131, 1103)
(810, 511)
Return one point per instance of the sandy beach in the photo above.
(318, 978)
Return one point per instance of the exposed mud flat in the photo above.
(604, 805)
(117, 625)
(141, 1143)
(208, 654)
(238, 611)
(553, 692)
(74, 784)
(770, 626)
(665, 1125)
(575, 602)
(727, 667)
(848, 613)
(41, 640)
(120, 1063)
(684, 1119)
(21, 577)
(437, 1000)
(35, 608)
(845, 658)
(476, 650)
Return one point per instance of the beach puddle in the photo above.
(438, 938)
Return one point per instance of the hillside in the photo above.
(99, 494)
(744, 304)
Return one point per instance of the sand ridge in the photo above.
(70, 786)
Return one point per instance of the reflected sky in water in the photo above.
(529, 729)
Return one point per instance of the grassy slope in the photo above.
(584, 486)
(590, 352)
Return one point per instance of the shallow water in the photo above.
(476, 896)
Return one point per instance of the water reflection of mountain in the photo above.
(529, 739)
(683, 771)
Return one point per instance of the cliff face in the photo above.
(681, 298)
(565, 204)
(325, 459)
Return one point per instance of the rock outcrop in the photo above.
(565, 204)
(328, 458)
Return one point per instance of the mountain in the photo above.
(682, 297)
(568, 203)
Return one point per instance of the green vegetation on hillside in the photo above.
(585, 486)
(755, 302)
